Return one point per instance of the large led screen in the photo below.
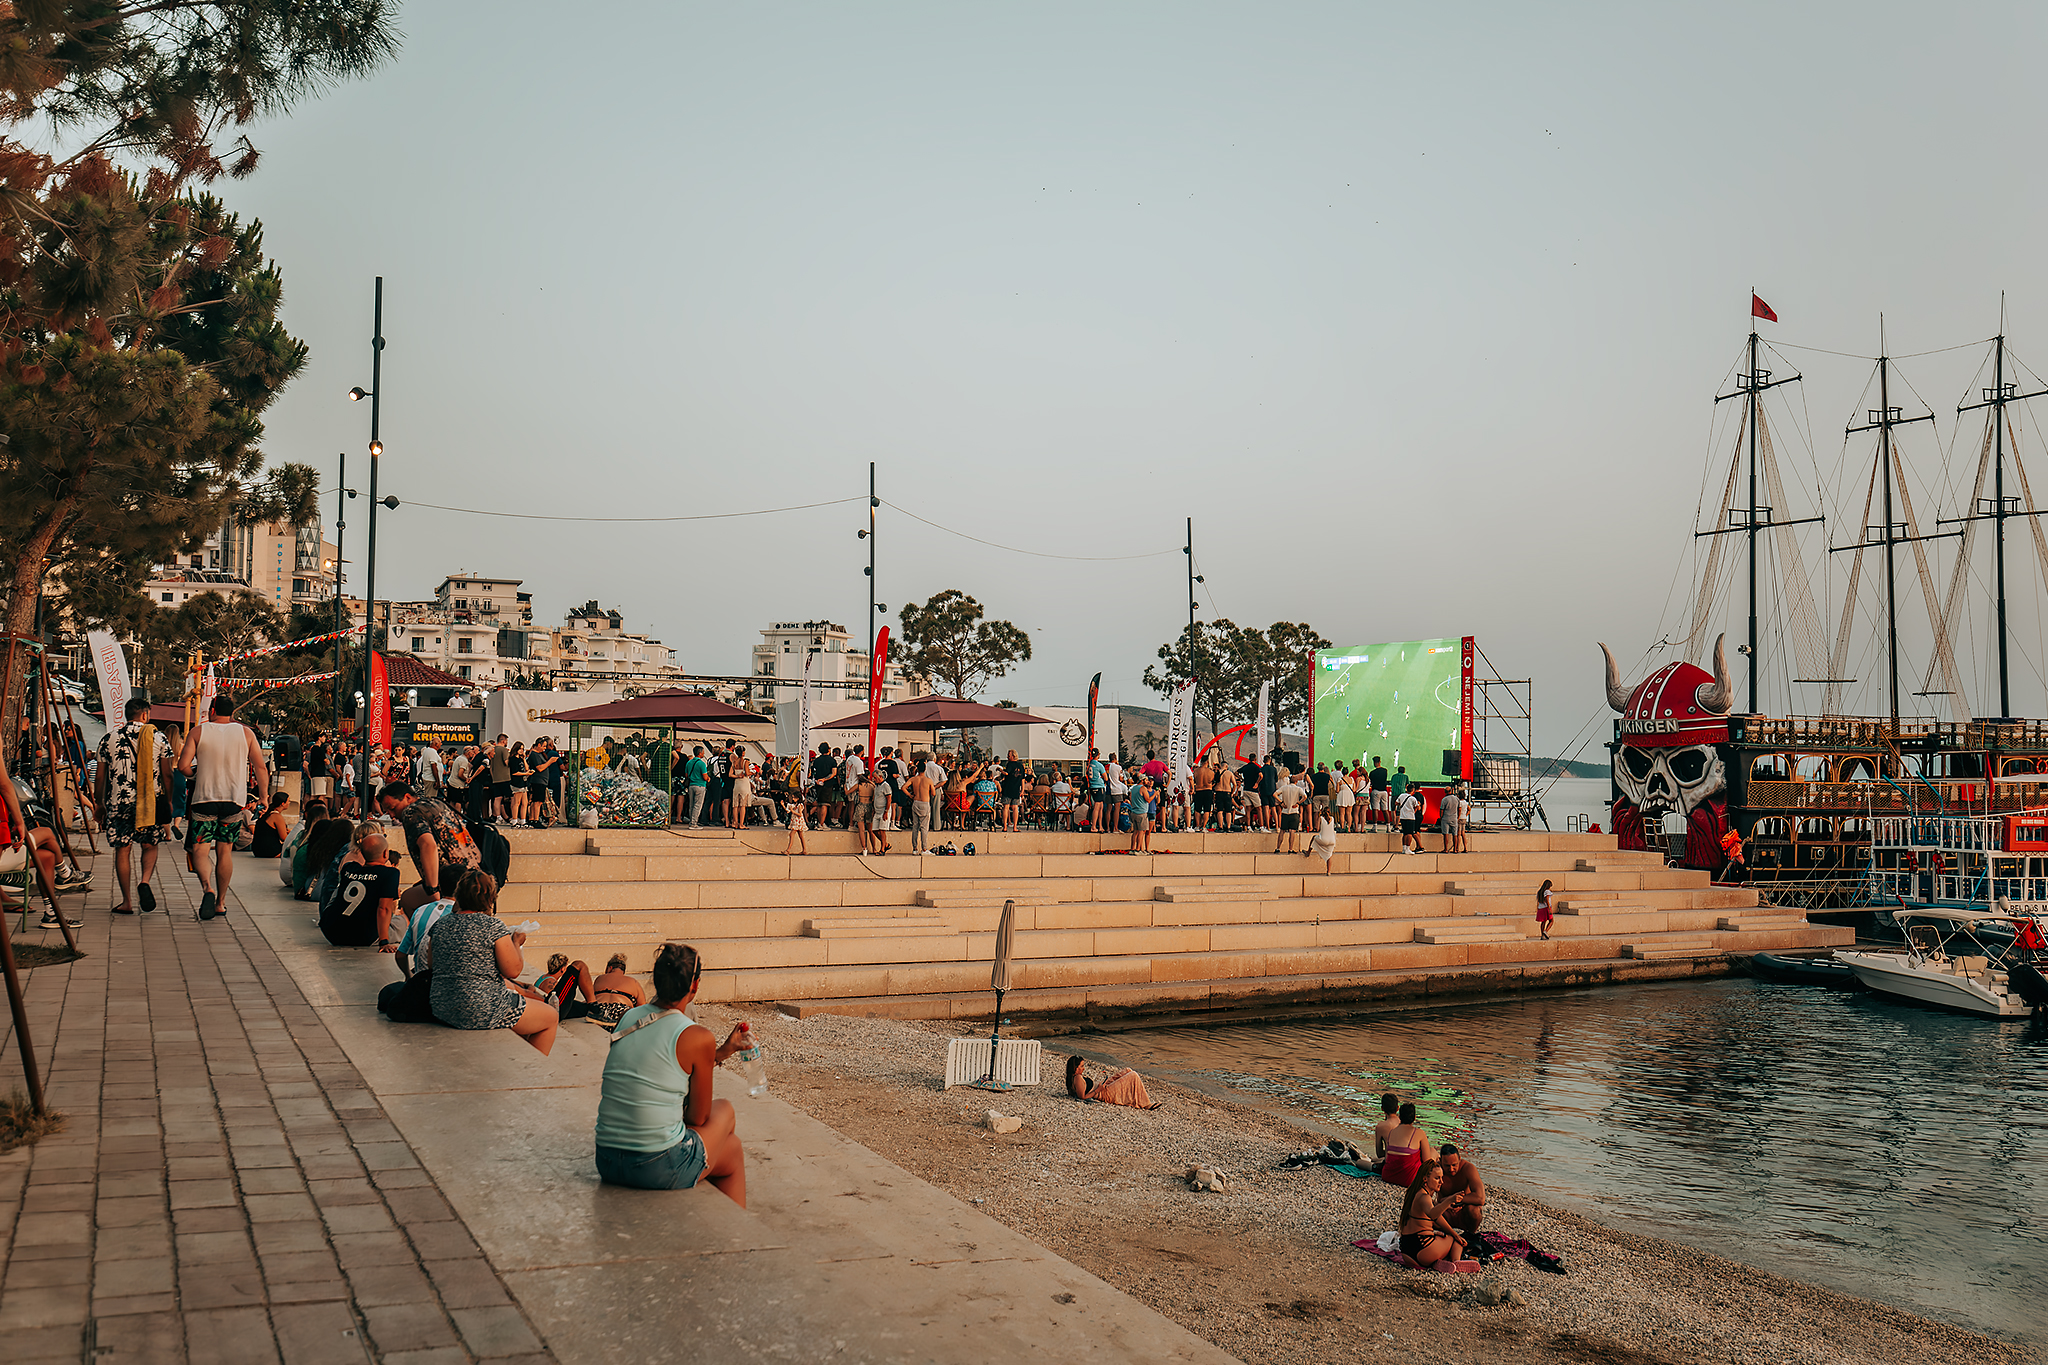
(1399, 702)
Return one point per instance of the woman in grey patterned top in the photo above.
(475, 957)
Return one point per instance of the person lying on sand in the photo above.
(1124, 1086)
(1461, 1183)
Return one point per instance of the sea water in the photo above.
(1882, 1149)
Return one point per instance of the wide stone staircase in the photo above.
(1205, 922)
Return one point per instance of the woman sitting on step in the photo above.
(1124, 1086)
(658, 1127)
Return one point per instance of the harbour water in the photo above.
(1888, 1151)
(1567, 796)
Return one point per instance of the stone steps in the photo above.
(1752, 924)
(1220, 920)
(1206, 891)
(1620, 862)
(976, 900)
(1469, 930)
(892, 927)
(803, 968)
(1670, 946)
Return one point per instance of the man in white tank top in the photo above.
(220, 755)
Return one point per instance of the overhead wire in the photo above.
(693, 516)
(1019, 550)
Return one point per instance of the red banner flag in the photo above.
(1465, 681)
(1759, 309)
(875, 673)
(377, 727)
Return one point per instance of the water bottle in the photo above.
(752, 1069)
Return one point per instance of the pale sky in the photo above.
(1418, 311)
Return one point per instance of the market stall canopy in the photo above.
(690, 711)
(940, 713)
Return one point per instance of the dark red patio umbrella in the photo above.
(688, 711)
(940, 713)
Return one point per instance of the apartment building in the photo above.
(593, 641)
(286, 566)
(474, 627)
(837, 659)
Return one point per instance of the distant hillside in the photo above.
(1546, 766)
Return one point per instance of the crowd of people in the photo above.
(504, 781)
(922, 792)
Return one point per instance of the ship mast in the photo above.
(1752, 520)
(1998, 507)
(1892, 534)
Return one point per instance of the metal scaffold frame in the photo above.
(1504, 731)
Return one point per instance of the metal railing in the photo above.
(1906, 796)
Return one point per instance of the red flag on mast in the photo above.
(377, 727)
(878, 670)
(1759, 309)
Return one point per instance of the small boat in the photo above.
(1952, 960)
(1821, 971)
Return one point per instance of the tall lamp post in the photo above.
(375, 395)
(1194, 639)
(873, 606)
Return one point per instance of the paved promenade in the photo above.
(227, 1189)
(259, 1167)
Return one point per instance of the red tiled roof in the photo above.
(405, 670)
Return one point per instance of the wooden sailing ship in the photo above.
(1836, 811)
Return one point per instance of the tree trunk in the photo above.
(22, 595)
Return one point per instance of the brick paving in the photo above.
(226, 1189)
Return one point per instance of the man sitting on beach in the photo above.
(1461, 1180)
(1390, 1105)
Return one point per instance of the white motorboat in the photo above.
(1952, 958)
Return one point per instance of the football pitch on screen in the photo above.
(1398, 701)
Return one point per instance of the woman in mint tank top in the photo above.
(658, 1128)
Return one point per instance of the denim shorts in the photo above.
(678, 1168)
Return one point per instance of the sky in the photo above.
(1418, 312)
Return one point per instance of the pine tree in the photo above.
(139, 339)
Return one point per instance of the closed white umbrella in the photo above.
(999, 982)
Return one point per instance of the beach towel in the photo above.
(1387, 1247)
(1447, 1266)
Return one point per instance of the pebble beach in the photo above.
(1265, 1269)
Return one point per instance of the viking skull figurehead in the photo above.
(1672, 725)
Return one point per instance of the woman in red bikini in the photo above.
(1407, 1149)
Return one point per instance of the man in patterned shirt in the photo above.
(439, 843)
(136, 764)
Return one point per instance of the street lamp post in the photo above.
(375, 395)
